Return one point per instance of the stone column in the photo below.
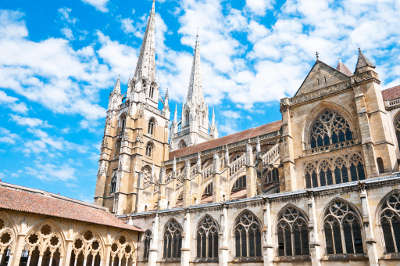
(216, 178)
(369, 233)
(153, 252)
(223, 238)
(187, 195)
(105, 260)
(267, 245)
(186, 241)
(15, 256)
(315, 247)
(70, 244)
(251, 172)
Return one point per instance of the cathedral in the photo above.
(319, 187)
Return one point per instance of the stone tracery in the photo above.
(172, 239)
(122, 252)
(390, 222)
(87, 250)
(7, 239)
(247, 235)
(207, 238)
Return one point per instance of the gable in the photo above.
(320, 76)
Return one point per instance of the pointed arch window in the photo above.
(172, 240)
(86, 247)
(113, 183)
(151, 91)
(122, 124)
(329, 128)
(149, 149)
(390, 222)
(292, 233)
(6, 242)
(150, 128)
(207, 239)
(146, 244)
(247, 236)
(342, 229)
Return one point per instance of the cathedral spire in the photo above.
(176, 114)
(213, 128)
(362, 61)
(195, 90)
(117, 87)
(146, 65)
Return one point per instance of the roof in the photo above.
(391, 93)
(343, 68)
(243, 135)
(18, 198)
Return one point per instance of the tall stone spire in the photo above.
(115, 98)
(213, 128)
(146, 65)
(195, 92)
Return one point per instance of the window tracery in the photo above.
(247, 236)
(334, 170)
(172, 240)
(147, 241)
(329, 128)
(207, 238)
(390, 222)
(7, 239)
(42, 247)
(342, 229)
(147, 175)
(292, 233)
(86, 250)
(122, 252)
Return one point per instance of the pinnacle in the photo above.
(363, 61)
(117, 87)
(195, 88)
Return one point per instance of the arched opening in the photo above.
(150, 128)
(207, 239)
(113, 183)
(239, 188)
(122, 251)
(151, 91)
(207, 195)
(390, 222)
(396, 123)
(381, 167)
(172, 240)
(146, 244)
(292, 233)
(247, 236)
(122, 124)
(149, 149)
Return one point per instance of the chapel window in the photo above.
(172, 240)
(342, 228)
(247, 236)
(150, 129)
(207, 238)
(147, 241)
(292, 233)
(390, 222)
(329, 128)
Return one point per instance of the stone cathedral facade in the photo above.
(319, 187)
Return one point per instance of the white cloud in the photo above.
(29, 121)
(67, 32)
(7, 137)
(51, 172)
(12, 103)
(100, 5)
(65, 14)
(230, 114)
(259, 7)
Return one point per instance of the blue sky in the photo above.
(60, 59)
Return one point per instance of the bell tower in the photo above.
(136, 135)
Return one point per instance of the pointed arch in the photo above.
(292, 229)
(151, 126)
(7, 238)
(87, 246)
(207, 238)
(149, 149)
(123, 250)
(247, 233)
(342, 228)
(146, 244)
(172, 239)
(389, 220)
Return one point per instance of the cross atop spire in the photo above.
(146, 65)
(195, 90)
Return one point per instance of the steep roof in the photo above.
(344, 69)
(243, 135)
(391, 93)
(23, 199)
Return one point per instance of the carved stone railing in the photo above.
(237, 164)
(271, 156)
(392, 103)
(334, 146)
(207, 172)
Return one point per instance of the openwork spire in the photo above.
(146, 65)
(195, 90)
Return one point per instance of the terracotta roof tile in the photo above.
(391, 93)
(243, 135)
(24, 199)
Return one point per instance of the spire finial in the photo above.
(176, 114)
(317, 55)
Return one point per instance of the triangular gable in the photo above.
(321, 75)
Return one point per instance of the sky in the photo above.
(60, 59)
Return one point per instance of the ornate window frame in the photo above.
(207, 239)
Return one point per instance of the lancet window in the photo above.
(207, 238)
(329, 128)
(7, 240)
(149, 149)
(122, 252)
(86, 250)
(292, 233)
(342, 229)
(172, 240)
(42, 247)
(334, 170)
(113, 183)
(122, 124)
(247, 236)
(390, 222)
(150, 129)
(147, 241)
(151, 91)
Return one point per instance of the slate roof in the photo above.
(243, 135)
(23, 199)
(391, 93)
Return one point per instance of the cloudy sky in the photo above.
(60, 59)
